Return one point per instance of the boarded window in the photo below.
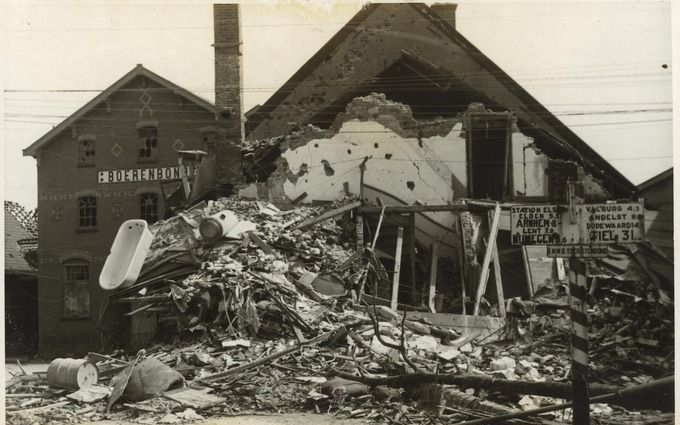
(148, 204)
(76, 290)
(148, 144)
(87, 212)
(86, 152)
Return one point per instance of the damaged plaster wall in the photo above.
(528, 167)
(411, 169)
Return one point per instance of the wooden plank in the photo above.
(462, 263)
(484, 276)
(433, 276)
(499, 282)
(471, 327)
(360, 233)
(412, 258)
(193, 398)
(260, 243)
(404, 209)
(497, 276)
(377, 230)
(328, 215)
(527, 271)
(397, 266)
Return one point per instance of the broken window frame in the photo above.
(76, 286)
(470, 118)
(87, 212)
(148, 207)
(87, 151)
(147, 142)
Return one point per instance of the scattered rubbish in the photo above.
(270, 320)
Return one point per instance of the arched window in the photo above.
(148, 206)
(87, 212)
(76, 289)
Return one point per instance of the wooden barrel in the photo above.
(72, 373)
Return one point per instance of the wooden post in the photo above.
(499, 281)
(484, 275)
(462, 265)
(185, 178)
(497, 275)
(433, 275)
(397, 265)
(412, 257)
(579, 340)
(527, 271)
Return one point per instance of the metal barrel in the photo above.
(72, 373)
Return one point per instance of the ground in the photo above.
(287, 419)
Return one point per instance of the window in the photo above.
(148, 144)
(76, 290)
(87, 212)
(148, 203)
(86, 151)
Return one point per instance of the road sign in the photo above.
(595, 224)
(535, 224)
(605, 224)
(557, 251)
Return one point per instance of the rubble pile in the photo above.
(267, 317)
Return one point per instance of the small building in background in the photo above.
(21, 281)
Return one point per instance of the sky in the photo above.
(603, 68)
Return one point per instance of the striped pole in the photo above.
(579, 340)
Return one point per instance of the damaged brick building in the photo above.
(400, 108)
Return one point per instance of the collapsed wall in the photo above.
(413, 161)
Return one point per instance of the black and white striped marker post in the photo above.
(579, 340)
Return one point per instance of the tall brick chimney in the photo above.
(446, 11)
(228, 96)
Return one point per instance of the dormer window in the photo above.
(147, 142)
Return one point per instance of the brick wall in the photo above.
(61, 181)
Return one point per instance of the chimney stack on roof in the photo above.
(446, 11)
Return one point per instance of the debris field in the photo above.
(270, 318)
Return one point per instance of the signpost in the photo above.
(577, 231)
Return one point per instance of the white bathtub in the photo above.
(128, 252)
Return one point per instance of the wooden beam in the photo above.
(462, 265)
(497, 276)
(404, 209)
(433, 276)
(484, 275)
(527, 271)
(412, 258)
(360, 232)
(377, 230)
(328, 215)
(397, 266)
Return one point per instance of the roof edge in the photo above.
(137, 71)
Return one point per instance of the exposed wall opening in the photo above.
(488, 147)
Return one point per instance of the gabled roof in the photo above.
(668, 174)
(535, 118)
(19, 227)
(137, 71)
